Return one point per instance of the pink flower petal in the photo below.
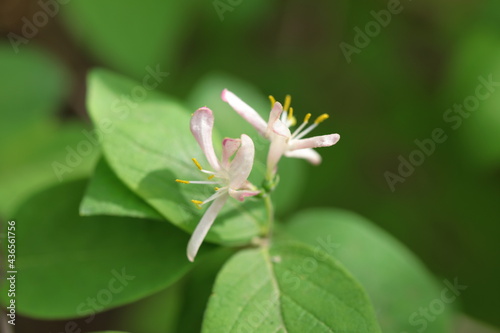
(315, 142)
(242, 164)
(244, 110)
(241, 195)
(202, 123)
(204, 225)
(308, 154)
(279, 128)
(274, 116)
(277, 148)
(229, 147)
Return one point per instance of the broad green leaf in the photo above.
(288, 288)
(397, 283)
(107, 195)
(208, 93)
(70, 266)
(148, 144)
(142, 34)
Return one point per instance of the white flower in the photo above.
(277, 130)
(230, 175)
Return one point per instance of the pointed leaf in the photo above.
(396, 281)
(288, 288)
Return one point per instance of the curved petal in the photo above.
(241, 195)
(277, 148)
(279, 128)
(315, 142)
(244, 110)
(229, 147)
(308, 154)
(274, 116)
(203, 226)
(202, 123)
(242, 164)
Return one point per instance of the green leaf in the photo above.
(71, 266)
(208, 92)
(288, 288)
(477, 128)
(162, 310)
(398, 284)
(107, 195)
(33, 88)
(198, 285)
(48, 154)
(148, 144)
(143, 34)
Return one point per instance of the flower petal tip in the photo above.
(223, 94)
(204, 109)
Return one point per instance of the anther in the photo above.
(321, 118)
(198, 165)
(307, 117)
(182, 181)
(288, 101)
(272, 100)
(211, 177)
(198, 203)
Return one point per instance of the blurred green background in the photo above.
(396, 88)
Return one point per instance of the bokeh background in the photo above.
(393, 90)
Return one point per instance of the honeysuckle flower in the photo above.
(277, 130)
(230, 176)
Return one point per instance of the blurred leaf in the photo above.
(148, 145)
(129, 35)
(162, 310)
(288, 288)
(231, 124)
(107, 195)
(92, 263)
(47, 154)
(478, 129)
(198, 285)
(380, 263)
(32, 88)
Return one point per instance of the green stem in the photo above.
(270, 215)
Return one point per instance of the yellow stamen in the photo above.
(273, 100)
(216, 188)
(198, 203)
(288, 101)
(321, 118)
(307, 117)
(211, 177)
(182, 181)
(292, 121)
(198, 165)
